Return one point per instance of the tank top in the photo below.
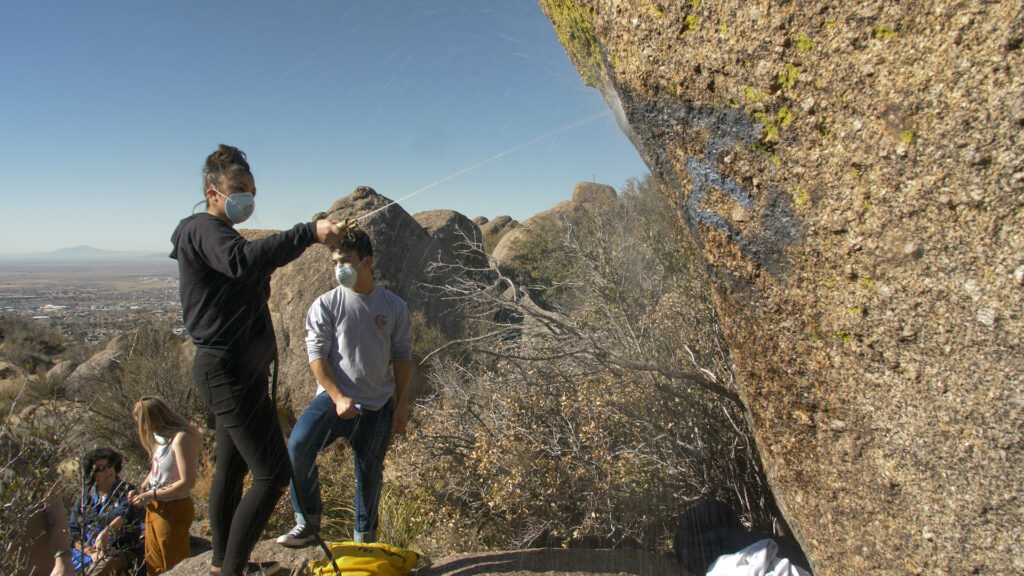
(163, 470)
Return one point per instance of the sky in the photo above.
(108, 110)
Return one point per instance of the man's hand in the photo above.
(400, 420)
(346, 408)
(329, 231)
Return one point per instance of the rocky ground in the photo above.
(548, 561)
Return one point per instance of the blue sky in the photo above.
(108, 109)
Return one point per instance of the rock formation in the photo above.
(592, 192)
(584, 196)
(853, 175)
(453, 241)
(494, 230)
(98, 370)
(60, 371)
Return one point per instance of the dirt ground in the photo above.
(554, 561)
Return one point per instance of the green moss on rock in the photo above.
(572, 24)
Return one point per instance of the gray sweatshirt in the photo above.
(360, 335)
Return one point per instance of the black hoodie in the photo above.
(224, 281)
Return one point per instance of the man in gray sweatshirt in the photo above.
(359, 341)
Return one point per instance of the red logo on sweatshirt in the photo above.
(381, 321)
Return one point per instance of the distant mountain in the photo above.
(84, 253)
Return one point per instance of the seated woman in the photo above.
(105, 527)
(166, 494)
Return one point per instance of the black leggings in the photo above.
(248, 438)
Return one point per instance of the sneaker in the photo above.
(301, 535)
(261, 568)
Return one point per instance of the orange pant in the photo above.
(167, 534)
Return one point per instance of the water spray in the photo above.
(516, 148)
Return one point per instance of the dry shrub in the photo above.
(30, 344)
(591, 418)
(31, 442)
(156, 363)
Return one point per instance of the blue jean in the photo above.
(369, 435)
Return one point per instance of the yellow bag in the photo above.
(358, 559)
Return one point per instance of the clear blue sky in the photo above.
(108, 109)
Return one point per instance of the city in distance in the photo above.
(89, 293)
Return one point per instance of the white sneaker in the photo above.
(301, 535)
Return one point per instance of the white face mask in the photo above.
(238, 207)
(346, 274)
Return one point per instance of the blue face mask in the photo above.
(238, 207)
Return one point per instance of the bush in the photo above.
(30, 446)
(155, 364)
(30, 344)
(594, 417)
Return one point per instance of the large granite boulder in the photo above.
(60, 371)
(494, 230)
(99, 370)
(453, 242)
(498, 226)
(8, 370)
(853, 175)
(586, 197)
(592, 192)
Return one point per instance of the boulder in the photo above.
(292, 560)
(852, 176)
(494, 230)
(8, 370)
(60, 371)
(453, 241)
(99, 370)
(448, 225)
(499, 225)
(586, 197)
(592, 192)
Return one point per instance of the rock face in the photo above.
(402, 250)
(451, 236)
(853, 174)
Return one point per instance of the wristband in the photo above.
(154, 493)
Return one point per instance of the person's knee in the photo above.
(282, 476)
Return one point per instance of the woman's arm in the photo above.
(133, 495)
